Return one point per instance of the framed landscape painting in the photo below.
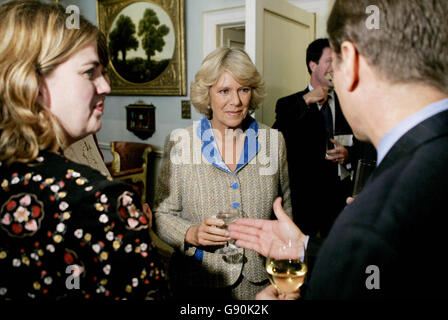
(146, 42)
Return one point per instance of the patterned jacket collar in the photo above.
(210, 150)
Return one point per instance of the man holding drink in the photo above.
(313, 126)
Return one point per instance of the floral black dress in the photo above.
(68, 232)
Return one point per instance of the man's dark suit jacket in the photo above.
(397, 223)
(317, 193)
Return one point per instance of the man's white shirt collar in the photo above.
(407, 124)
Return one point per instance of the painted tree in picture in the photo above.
(152, 34)
(142, 66)
(122, 38)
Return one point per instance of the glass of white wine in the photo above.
(286, 265)
(228, 217)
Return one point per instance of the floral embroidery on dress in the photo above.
(131, 215)
(21, 215)
(80, 218)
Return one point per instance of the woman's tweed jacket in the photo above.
(194, 184)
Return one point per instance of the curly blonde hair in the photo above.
(236, 62)
(34, 40)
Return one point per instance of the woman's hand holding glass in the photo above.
(208, 233)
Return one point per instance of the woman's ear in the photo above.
(43, 96)
(349, 65)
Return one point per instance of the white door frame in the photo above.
(237, 16)
(212, 19)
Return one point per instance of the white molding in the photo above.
(210, 21)
(106, 146)
(317, 6)
(321, 8)
(251, 26)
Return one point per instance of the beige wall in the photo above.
(321, 8)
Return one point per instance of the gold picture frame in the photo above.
(155, 30)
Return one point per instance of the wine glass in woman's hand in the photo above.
(228, 218)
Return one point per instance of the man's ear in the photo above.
(312, 65)
(349, 65)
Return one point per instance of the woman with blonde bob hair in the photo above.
(63, 226)
(228, 175)
(238, 63)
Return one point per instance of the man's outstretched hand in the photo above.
(257, 234)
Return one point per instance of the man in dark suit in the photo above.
(320, 179)
(389, 242)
